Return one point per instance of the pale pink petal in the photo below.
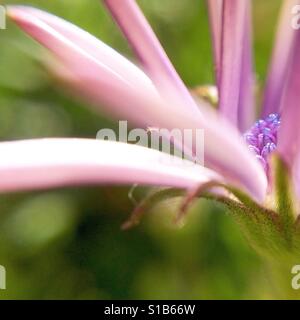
(215, 19)
(90, 44)
(121, 93)
(116, 83)
(46, 163)
(150, 52)
(233, 32)
(281, 59)
(289, 132)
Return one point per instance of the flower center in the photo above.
(262, 137)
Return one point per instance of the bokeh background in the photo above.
(67, 243)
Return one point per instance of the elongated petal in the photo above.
(95, 70)
(224, 150)
(289, 132)
(44, 163)
(281, 60)
(90, 44)
(121, 88)
(246, 107)
(215, 19)
(246, 110)
(148, 49)
(233, 32)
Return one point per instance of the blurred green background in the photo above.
(67, 243)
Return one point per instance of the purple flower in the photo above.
(262, 138)
(237, 149)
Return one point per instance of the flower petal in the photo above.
(280, 62)
(246, 111)
(119, 89)
(233, 32)
(87, 42)
(246, 108)
(94, 69)
(289, 132)
(150, 52)
(45, 163)
(215, 19)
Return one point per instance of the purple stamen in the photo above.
(262, 137)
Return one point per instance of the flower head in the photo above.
(155, 96)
